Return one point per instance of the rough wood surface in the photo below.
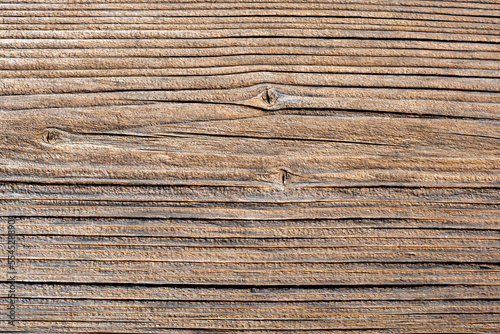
(259, 166)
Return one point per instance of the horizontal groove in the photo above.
(106, 73)
(300, 251)
(56, 263)
(228, 55)
(256, 301)
(171, 217)
(118, 25)
(277, 202)
(150, 247)
(203, 277)
(246, 69)
(402, 87)
(257, 237)
(310, 317)
(421, 3)
(240, 51)
(209, 218)
(361, 38)
(291, 17)
(305, 43)
(247, 286)
(237, 237)
(469, 309)
(181, 5)
(367, 28)
(111, 183)
(231, 11)
(292, 139)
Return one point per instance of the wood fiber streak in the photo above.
(253, 166)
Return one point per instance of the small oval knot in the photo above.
(268, 99)
(284, 177)
(50, 136)
(270, 96)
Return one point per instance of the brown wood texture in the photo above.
(243, 166)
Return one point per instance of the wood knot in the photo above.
(284, 177)
(269, 99)
(270, 96)
(50, 136)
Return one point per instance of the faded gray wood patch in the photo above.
(251, 166)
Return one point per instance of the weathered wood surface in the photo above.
(251, 166)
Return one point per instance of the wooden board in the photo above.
(243, 166)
